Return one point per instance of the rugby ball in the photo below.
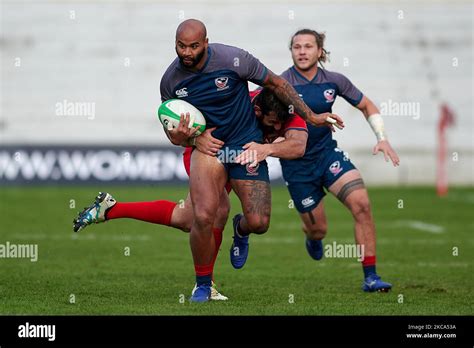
(169, 114)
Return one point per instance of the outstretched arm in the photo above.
(372, 114)
(287, 94)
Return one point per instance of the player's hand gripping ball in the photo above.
(169, 114)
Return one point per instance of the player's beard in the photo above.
(195, 61)
(307, 68)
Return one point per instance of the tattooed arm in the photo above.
(287, 94)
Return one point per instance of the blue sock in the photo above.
(240, 233)
(369, 270)
(204, 280)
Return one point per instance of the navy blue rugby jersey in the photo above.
(220, 91)
(319, 94)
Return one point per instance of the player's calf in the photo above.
(207, 181)
(315, 232)
(255, 197)
(223, 211)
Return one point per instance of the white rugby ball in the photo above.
(169, 114)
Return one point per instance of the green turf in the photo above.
(159, 271)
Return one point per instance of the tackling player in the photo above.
(275, 121)
(324, 165)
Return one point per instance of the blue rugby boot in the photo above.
(201, 293)
(239, 250)
(373, 283)
(314, 248)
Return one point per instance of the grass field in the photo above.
(415, 253)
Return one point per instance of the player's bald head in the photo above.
(191, 30)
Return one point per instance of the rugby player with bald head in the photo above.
(214, 78)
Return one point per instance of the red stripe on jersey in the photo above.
(294, 121)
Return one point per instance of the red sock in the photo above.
(157, 212)
(368, 266)
(368, 261)
(203, 274)
(203, 270)
(218, 240)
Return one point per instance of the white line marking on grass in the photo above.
(442, 265)
(458, 197)
(420, 226)
(419, 264)
(381, 241)
(398, 241)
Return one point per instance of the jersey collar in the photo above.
(297, 73)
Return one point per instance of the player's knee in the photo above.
(258, 224)
(361, 209)
(204, 217)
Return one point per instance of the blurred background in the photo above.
(80, 83)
